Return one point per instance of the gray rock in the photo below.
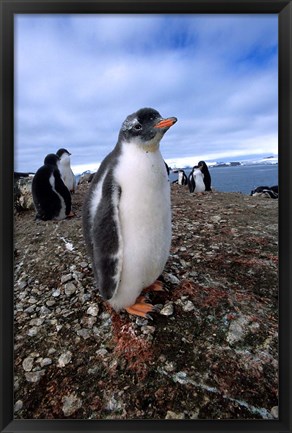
(50, 303)
(45, 361)
(275, 412)
(70, 289)
(71, 403)
(171, 278)
(44, 311)
(93, 310)
(34, 376)
(56, 293)
(32, 332)
(66, 278)
(188, 306)
(84, 333)
(64, 359)
(18, 406)
(27, 364)
(237, 330)
(167, 310)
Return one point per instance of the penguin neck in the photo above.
(65, 161)
(150, 147)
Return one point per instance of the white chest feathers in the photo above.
(145, 220)
(67, 173)
(199, 179)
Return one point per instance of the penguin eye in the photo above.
(138, 127)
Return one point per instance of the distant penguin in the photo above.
(207, 177)
(51, 197)
(266, 191)
(65, 169)
(127, 215)
(196, 180)
(182, 177)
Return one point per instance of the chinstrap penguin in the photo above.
(65, 169)
(127, 215)
(51, 197)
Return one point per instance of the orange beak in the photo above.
(166, 123)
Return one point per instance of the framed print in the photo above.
(146, 216)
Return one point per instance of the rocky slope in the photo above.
(211, 352)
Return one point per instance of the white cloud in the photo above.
(78, 77)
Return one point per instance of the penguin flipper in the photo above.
(107, 244)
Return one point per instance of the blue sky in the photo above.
(77, 77)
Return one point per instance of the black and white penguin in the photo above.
(65, 169)
(196, 180)
(266, 191)
(127, 215)
(182, 177)
(207, 177)
(51, 197)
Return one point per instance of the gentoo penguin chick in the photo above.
(65, 169)
(182, 177)
(127, 216)
(196, 180)
(207, 177)
(51, 197)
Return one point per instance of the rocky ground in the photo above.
(211, 352)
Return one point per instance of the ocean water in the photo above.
(242, 178)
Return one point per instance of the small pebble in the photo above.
(64, 359)
(56, 293)
(18, 406)
(101, 352)
(84, 333)
(71, 404)
(188, 306)
(34, 376)
(171, 278)
(93, 310)
(66, 278)
(275, 412)
(167, 310)
(45, 361)
(70, 289)
(50, 303)
(32, 332)
(27, 364)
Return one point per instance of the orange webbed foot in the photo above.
(142, 308)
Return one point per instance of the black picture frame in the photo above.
(10, 7)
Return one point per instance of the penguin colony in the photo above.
(51, 188)
(199, 179)
(127, 221)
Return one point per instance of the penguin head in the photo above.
(64, 157)
(62, 152)
(145, 128)
(51, 159)
(203, 166)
